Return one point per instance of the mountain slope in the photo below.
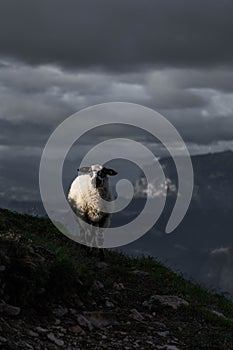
(53, 295)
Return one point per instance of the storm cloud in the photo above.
(118, 34)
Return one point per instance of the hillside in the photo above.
(53, 295)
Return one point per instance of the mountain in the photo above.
(213, 181)
(207, 226)
(56, 294)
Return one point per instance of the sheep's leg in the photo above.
(99, 237)
(89, 237)
(100, 242)
(82, 236)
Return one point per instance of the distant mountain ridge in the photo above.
(213, 181)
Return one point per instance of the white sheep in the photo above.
(85, 196)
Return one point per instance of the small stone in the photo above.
(60, 311)
(109, 304)
(41, 330)
(24, 345)
(32, 334)
(163, 333)
(167, 347)
(149, 342)
(98, 285)
(118, 286)
(100, 319)
(9, 310)
(62, 330)
(3, 340)
(73, 311)
(136, 315)
(217, 313)
(83, 321)
(170, 300)
(55, 340)
(140, 273)
(77, 330)
(146, 304)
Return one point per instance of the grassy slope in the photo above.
(46, 267)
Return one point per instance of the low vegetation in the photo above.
(42, 271)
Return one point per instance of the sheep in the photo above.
(84, 198)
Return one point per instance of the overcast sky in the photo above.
(59, 56)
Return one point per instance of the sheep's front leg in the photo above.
(99, 237)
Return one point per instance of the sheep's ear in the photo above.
(84, 169)
(111, 172)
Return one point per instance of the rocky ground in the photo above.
(54, 296)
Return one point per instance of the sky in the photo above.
(59, 56)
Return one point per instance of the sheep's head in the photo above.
(98, 174)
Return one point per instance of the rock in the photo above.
(98, 285)
(136, 315)
(77, 330)
(61, 329)
(73, 311)
(118, 286)
(58, 342)
(167, 347)
(146, 304)
(101, 319)
(24, 345)
(163, 334)
(109, 304)
(217, 313)
(170, 300)
(140, 273)
(9, 310)
(32, 334)
(83, 321)
(60, 311)
(41, 330)
(3, 340)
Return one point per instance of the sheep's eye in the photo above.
(101, 174)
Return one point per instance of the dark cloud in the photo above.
(206, 130)
(34, 100)
(24, 133)
(119, 33)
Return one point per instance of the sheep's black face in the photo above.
(98, 174)
(99, 177)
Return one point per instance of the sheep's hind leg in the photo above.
(100, 242)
